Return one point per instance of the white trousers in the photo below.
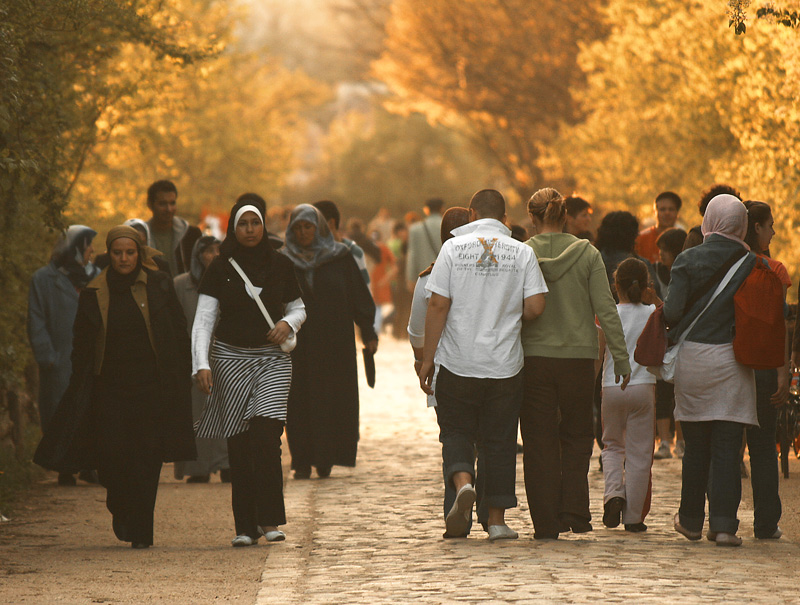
(628, 439)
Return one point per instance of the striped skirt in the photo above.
(246, 383)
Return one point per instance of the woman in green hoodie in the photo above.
(561, 347)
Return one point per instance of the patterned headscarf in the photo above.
(322, 250)
(69, 251)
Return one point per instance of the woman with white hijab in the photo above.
(715, 395)
(246, 373)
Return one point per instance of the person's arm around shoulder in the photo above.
(534, 287)
(605, 309)
(438, 309)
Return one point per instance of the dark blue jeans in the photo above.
(711, 446)
(485, 411)
(764, 458)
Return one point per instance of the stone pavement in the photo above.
(372, 534)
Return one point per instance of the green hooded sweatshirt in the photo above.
(579, 291)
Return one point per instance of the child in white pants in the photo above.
(628, 413)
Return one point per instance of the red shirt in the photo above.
(778, 267)
(646, 244)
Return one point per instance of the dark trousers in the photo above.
(557, 437)
(257, 476)
(764, 458)
(711, 447)
(131, 484)
(485, 411)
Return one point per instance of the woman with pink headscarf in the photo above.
(715, 396)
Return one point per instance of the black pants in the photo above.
(484, 411)
(257, 476)
(557, 438)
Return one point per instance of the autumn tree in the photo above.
(675, 101)
(502, 71)
(53, 89)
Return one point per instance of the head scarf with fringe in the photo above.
(322, 250)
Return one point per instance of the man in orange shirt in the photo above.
(667, 206)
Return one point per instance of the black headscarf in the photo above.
(254, 260)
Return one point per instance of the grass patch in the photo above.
(17, 475)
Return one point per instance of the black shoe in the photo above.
(577, 524)
(120, 529)
(89, 477)
(198, 479)
(225, 475)
(612, 512)
(139, 545)
(635, 527)
(66, 479)
(323, 472)
(302, 472)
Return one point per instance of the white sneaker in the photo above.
(680, 448)
(243, 540)
(502, 532)
(457, 520)
(663, 451)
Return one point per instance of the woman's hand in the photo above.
(372, 346)
(780, 396)
(204, 381)
(279, 333)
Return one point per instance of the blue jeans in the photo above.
(764, 457)
(711, 446)
(485, 411)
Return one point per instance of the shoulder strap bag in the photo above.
(287, 345)
(666, 371)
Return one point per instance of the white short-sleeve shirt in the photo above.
(486, 275)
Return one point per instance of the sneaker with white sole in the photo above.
(457, 520)
(501, 532)
(663, 452)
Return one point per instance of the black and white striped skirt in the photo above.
(246, 383)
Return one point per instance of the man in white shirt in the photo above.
(484, 283)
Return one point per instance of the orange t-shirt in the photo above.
(646, 246)
(779, 269)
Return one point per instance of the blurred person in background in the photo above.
(52, 306)
(667, 207)
(169, 234)
(579, 217)
(212, 454)
(423, 241)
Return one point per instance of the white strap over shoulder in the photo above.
(250, 288)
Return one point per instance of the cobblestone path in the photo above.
(372, 534)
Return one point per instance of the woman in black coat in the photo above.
(322, 422)
(128, 405)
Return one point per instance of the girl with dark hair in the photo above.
(246, 372)
(322, 426)
(560, 348)
(772, 390)
(128, 406)
(212, 454)
(616, 240)
(628, 412)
